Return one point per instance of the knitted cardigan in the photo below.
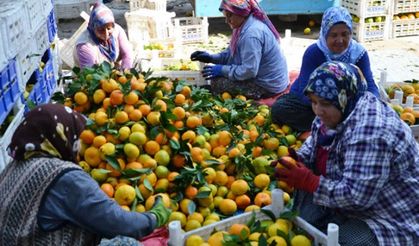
(23, 186)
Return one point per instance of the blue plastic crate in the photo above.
(10, 91)
(52, 26)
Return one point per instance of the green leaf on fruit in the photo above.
(113, 162)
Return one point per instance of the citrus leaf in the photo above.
(113, 162)
(191, 207)
(147, 184)
(269, 214)
(134, 204)
(203, 194)
(174, 144)
(103, 171)
(136, 171)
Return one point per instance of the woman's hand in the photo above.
(201, 56)
(210, 72)
(297, 175)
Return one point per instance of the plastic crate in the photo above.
(144, 24)
(365, 32)
(367, 8)
(10, 92)
(191, 77)
(406, 6)
(191, 29)
(27, 60)
(70, 9)
(405, 28)
(52, 26)
(7, 137)
(3, 59)
(169, 48)
(47, 6)
(176, 237)
(157, 5)
(14, 26)
(36, 14)
(40, 36)
(44, 81)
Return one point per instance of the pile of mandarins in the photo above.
(208, 157)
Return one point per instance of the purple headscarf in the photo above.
(100, 16)
(245, 8)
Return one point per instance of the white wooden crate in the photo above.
(27, 60)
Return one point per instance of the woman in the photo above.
(47, 199)
(254, 64)
(104, 40)
(335, 44)
(361, 163)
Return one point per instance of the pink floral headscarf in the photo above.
(245, 8)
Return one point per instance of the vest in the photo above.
(23, 185)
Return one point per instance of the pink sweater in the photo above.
(88, 54)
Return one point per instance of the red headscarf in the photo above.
(245, 8)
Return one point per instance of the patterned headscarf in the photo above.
(340, 83)
(245, 8)
(100, 16)
(48, 130)
(331, 17)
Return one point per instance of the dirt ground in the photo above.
(398, 57)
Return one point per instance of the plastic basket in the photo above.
(144, 24)
(3, 59)
(14, 26)
(367, 8)
(405, 28)
(70, 9)
(36, 14)
(157, 5)
(41, 37)
(52, 26)
(406, 6)
(178, 238)
(27, 60)
(47, 6)
(191, 29)
(10, 91)
(7, 137)
(366, 32)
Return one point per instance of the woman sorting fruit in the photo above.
(47, 199)
(254, 64)
(103, 40)
(334, 44)
(360, 167)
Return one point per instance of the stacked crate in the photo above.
(405, 18)
(150, 30)
(71, 9)
(27, 33)
(371, 18)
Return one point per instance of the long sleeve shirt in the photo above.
(88, 54)
(314, 57)
(76, 198)
(372, 171)
(258, 56)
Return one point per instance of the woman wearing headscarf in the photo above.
(103, 40)
(254, 64)
(334, 44)
(360, 167)
(47, 199)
